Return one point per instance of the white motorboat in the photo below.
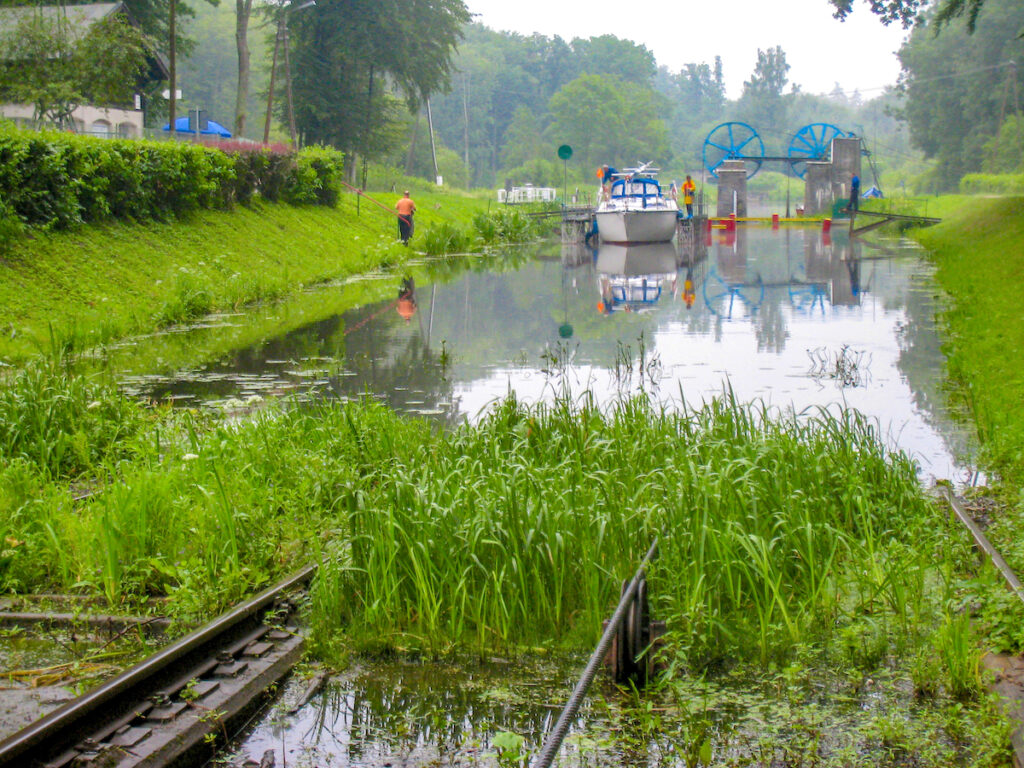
(633, 209)
(634, 277)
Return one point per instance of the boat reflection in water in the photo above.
(632, 278)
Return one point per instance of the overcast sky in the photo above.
(821, 51)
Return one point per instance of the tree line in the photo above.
(371, 77)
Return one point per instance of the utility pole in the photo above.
(433, 148)
(172, 107)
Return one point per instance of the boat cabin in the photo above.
(642, 189)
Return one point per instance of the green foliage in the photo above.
(261, 171)
(1004, 152)
(954, 82)
(49, 61)
(510, 747)
(535, 508)
(908, 11)
(345, 55)
(316, 179)
(62, 424)
(961, 657)
(761, 101)
(60, 180)
(992, 183)
(509, 225)
(446, 238)
(608, 120)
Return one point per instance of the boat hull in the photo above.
(654, 259)
(643, 226)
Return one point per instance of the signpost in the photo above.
(564, 152)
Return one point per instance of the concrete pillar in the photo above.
(732, 185)
(845, 165)
(818, 188)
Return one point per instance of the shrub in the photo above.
(316, 179)
(992, 183)
(59, 180)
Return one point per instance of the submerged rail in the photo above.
(981, 540)
(554, 740)
(136, 702)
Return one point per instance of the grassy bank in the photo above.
(98, 283)
(977, 251)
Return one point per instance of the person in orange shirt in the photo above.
(406, 208)
(406, 303)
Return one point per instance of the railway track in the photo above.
(168, 709)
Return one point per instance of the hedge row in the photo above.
(57, 180)
(992, 184)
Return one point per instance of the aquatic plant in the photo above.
(60, 422)
(517, 530)
(777, 528)
(444, 238)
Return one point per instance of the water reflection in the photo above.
(414, 713)
(631, 278)
(757, 307)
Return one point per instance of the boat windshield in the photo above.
(642, 188)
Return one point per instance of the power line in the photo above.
(934, 78)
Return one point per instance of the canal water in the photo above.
(792, 316)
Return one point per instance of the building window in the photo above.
(101, 128)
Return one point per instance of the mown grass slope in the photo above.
(979, 252)
(99, 283)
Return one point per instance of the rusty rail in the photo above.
(133, 705)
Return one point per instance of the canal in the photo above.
(791, 317)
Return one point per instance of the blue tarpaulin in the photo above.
(209, 128)
(872, 192)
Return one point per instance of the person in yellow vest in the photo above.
(689, 295)
(406, 208)
(689, 189)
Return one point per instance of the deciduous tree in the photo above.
(350, 55)
(907, 12)
(54, 62)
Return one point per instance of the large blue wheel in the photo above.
(733, 141)
(812, 142)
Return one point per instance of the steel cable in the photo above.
(554, 739)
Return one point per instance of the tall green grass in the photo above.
(62, 423)
(517, 531)
(776, 528)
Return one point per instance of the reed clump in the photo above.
(61, 423)
(517, 532)
(776, 528)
